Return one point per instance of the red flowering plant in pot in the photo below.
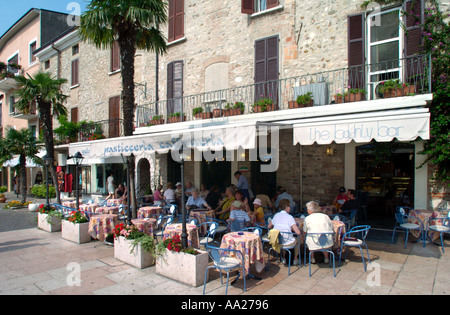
(131, 232)
(77, 217)
(174, 244)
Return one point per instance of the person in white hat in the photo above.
(238, 217)
(258, 212)
(178, 191)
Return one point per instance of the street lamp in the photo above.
(78, 159)
(47, 161)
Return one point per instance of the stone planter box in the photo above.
(75, 232)
(186, 268)
(53, 226)
(139, 258)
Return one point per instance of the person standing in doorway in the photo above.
(111, 187)
(242, 184)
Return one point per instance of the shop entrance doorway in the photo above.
(385, 180)
(216, 173)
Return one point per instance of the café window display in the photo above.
(385, 173)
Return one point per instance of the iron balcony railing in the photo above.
(328, 87)
(89, 131)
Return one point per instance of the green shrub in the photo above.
(3, 189)
(41, 191)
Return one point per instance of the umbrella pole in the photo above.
(184, 241)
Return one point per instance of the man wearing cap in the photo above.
(178, 191)
(238, 217)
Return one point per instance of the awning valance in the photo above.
(382, 128)
(214, 138)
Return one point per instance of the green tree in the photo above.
(133, 24)
(23, 143)
(44, 91)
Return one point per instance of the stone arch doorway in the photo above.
(144, 177)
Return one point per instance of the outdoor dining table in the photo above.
(71, 203)
(107, 210)
(146, 225)
(147, 212)
(89, 208)
(338, 227)
(191, 229)
(248, 243)
(424, 215)
(202, 215)
(113, 202)
(101, 225)
(329, 209)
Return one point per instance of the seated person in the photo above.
(284, 195)
(196, 202)
(341, 198)
(258, 213)
(120, 191)
(213, 197)
(223, 210)
(317, 222)
(158, 198)
(238, 217)
(284, 222)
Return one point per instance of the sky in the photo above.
(13, 10)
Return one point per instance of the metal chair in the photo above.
(254, 229)
(351, 217)
(441, 226)
(162, 225)
(288, 248)
(223, 262)
(402, 223)
(322, 240)
(356, 237)
(237, 225)
(209, 238)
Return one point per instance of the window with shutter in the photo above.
(174, 86)
(115, 57)
(75, 72)
(356, 54)
(114, 117)
(266, 68)
(74, 115)
(253, 6)
(176, 19)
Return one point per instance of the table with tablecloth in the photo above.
(329, 209)
(202, 216)
(107, 210)
(101, 225)
(248, 243)
(148, 212)
(146, 225)
(113, 202)
(191, 229)
(338, 227)
(71, 203)
(424, 215)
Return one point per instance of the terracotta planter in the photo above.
(231, 112)
(139, 258)
(294, 104)
(204, 115)
(269, 108)
(75, 232)
(49, 224)
(171, 120)
(354, 97)
(217, 113)
(156, 122)
(339, 99)
(186, 268)
(403, 91)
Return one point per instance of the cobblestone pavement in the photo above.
(35, 262)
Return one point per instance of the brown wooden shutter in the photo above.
(74, 115)
(174, 86)
(114, 117)
(179, 19)
(171, 21)
(272, 3)
(115, 56)
(75, 72)
(266, 68)
(356, 52)
(247, 6)
(413, 33)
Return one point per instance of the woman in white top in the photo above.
(169, 194)
(317, 222)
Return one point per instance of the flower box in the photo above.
(175, 119)
(231, 112)
(49, 223)
(75, 232)
(186, 268)
(403, 91)
(294, 104)
(354, 97)
(260, 109)
(203, 115)
(136, 257)
(339, 98)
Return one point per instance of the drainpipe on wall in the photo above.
(59, 61)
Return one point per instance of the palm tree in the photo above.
(133, 24)
(23, 143)
(44, 91)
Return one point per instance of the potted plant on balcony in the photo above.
(304, 100)
(49, 219)
(187, 265)
(67, 131)
(355, 95)
(134, 247)
(199, 114)
(263, 105)
(156, 120)
(175, 117)
(75, 228)
(234, 109)
(395, 88)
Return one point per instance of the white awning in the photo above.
(382, 127)
(215, 138)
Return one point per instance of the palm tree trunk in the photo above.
(23, 177)
(127, 46)
(47, 122)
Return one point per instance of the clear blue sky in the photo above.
(13, 10)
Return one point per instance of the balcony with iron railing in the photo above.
(89, 131)
(7, 74)
(402, 77)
